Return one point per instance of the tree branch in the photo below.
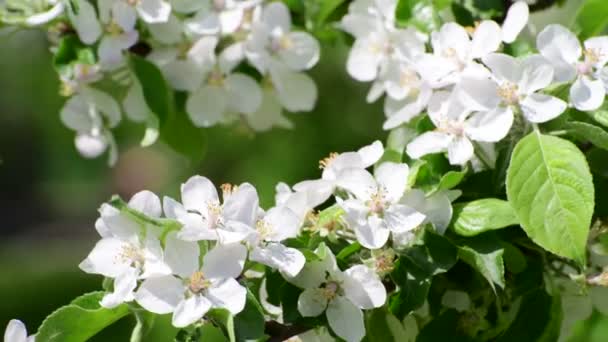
(280, 332)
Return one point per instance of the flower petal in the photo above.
(197, 193)
(154, 11)
(244, 93)
(105, 258)
(134, 104)
(504, 67)
(227, 294)
(363, 61)
(428, 143)
(490, 126)
(124, 285)
(312, 302)
(147, 203)
(363, 287)
(207, 106)
(537, 74)
(392, 179)
(486, 39)
(460, 151)
(561, 47)
(515, 21)
(241, 205)
(541, 107)
(345, 319)
(359, 182)
(181, 256)
(190, 310)
(225, 261)
(85, 22)
(15, 331)
(276, 16)
(371, 233)
(283, 222)
(587, 94)
(400, 218)
(287, 260)
(296, 91)
(90, 145)
(302, 51)
(160, 295)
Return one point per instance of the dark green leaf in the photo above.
(80, 320)
(179, 133)
(484, 254)
(225, 320)
(157, 93)
(587, 132)
(383, 326)
(249, 323)
(446, 327)
(479, 216)
(419, 13)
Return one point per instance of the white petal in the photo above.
(561, 47)
(460, 151)
(147, 203)
(244, 93)
(515, 21)
(400, 218)
(296, 91)
(287, 260)
(452, 38)
(172, 208)
(302, 52)
(486, 39)
(537, 74)
(227, 294)
(154, 11)
(363, 287)
(197, 193)
(134, 104)
(587, 94)
(231, 56)
(154, 265)
(231, 19)
(104, 103)
(317, 191)
(359, 182)
(242, 204)
(346, 160)
(541, 107)
(105, 258)
(283, 222)
(205, 22)
(167, 33)
(363, 61)
(160, 295)
(428, 143)
(124, 285)
(276, 15)
(45, 17)
(371, 233)
(371, 153)
(312, 302)
(124, 15)
(85, 22)
(475, 94)
(207, 106)
(504, 67)
(184, 75)
(234, 232)
(190, 310)
(490, 126)
(89, 145)
(269, 114)
(15, 331)
(119, 224)
(203, 52)
(403, 111)
(181, 256)
(225, 261)
(392, 179)
(345, 319)
(111, 52)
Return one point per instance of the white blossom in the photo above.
(563, 50)
(16, 332)
(193, 289)
(57, 7)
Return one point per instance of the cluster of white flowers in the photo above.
(199, 46)
(470, 91)
(188, 257)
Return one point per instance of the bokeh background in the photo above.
(49, 194)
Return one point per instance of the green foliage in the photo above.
(381, 325)
(587, 132)
(550, 187)
(482, 215)
(157, 92)
(485, 255)
(420, 13)
(249, 323)
(79, 320)
(587, 22)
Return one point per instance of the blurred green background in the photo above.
(49, 195)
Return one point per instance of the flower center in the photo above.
(263, 228)
(325, 162)
(330, 290)
(377, 202)
(114, 29)
(215, 218)
(219, 5)
(132, 254)
(508, 93)
(592, 56)
(216, 78)
(198, 283)
(408, 77)
(133, 3)
(451, 127)
(385, 262)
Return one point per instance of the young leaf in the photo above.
(249, 323)
(588, 21)
(482, 215)
(419, 13)
(550, 187)
(587, 132)
(384, 326)
(485, 256)
(79, 320)
(156, 91)
(223, 318)
(451, 179)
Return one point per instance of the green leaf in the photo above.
(157, 93)
(145, 323)
(223, 318)
(183, 137)
(590, 19)
(600, 116)
(249, 323)
(587, 132)
(451, 179)
(80, 320)
(482, 215)
(420, 13)
(446, 327)
(550, 187)
(485, 255)
(325, 9)
(384, 326)
(396, 142)
(348, 251)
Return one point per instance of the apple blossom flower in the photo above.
(194, 289)
(90, 113)
(16, 332)
(277, 224)
(217, 16)
(341, 294)
(127, 251)
(57, 8)
(455, 128)
(319, 190)
(513, 86)
(563, 50)
(203, 216)
(515, 21)
(375, 210)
